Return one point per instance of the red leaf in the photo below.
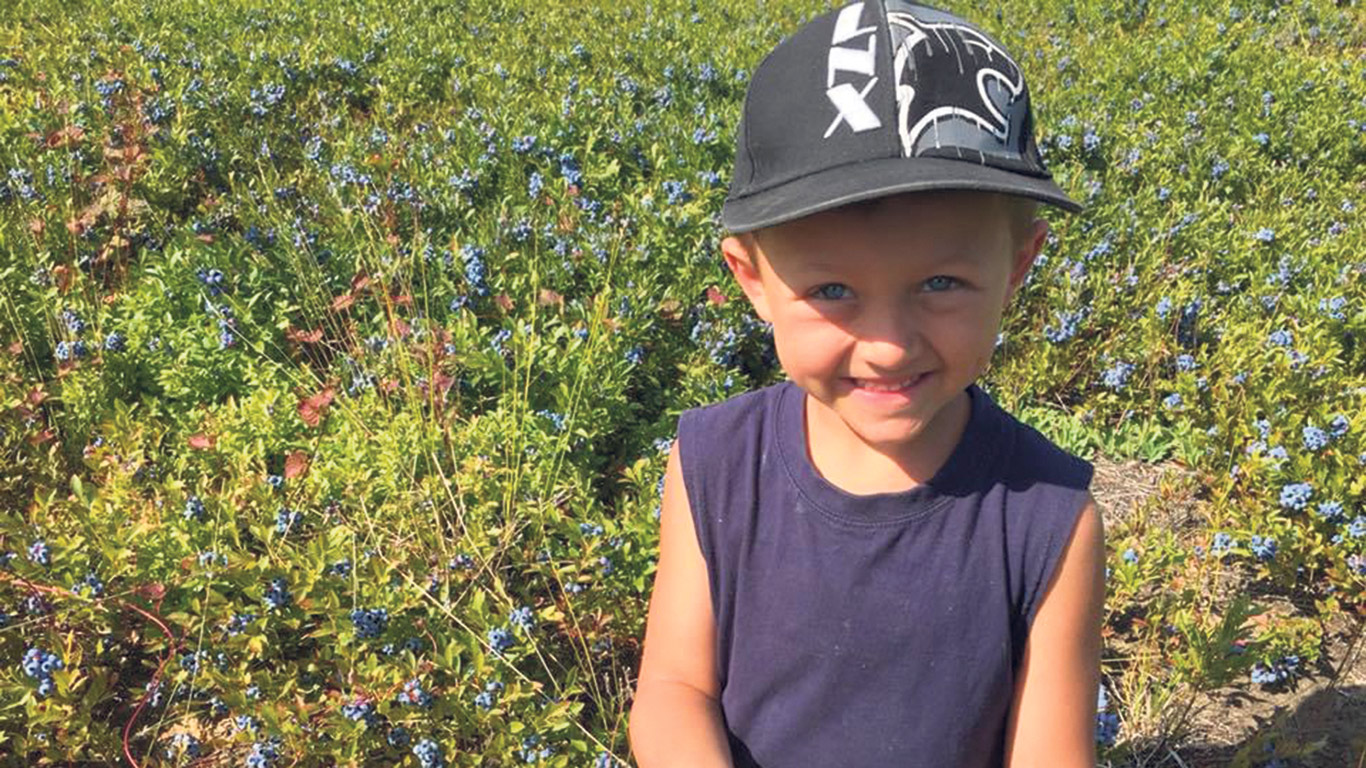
(202, 442)
(310, 337)
(342, 302)
(715, 296)
(359, 282)
(504, 301)
(324, 398)
(296, 465)
(65, 137)
(314, 407)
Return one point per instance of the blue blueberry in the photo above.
(523, 617)
(501, 639)
(40, 553)
(1296, 495)
(1357, 528)
(1263, 548)
(286, 519)
(1066, 326)
(1164, 306)
(428, 753)
(115, 342)
(277, 597)
(264, 753)
(1331, 511)
(1315, 439)
(412, 694)
(74, 324)
(40, 664)
(183, 745)
(369, 623)
(239, 622)
(1117, 375)
(1338, 426)
(92, 583)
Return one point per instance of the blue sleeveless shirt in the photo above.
(872, 631)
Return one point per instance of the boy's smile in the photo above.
(908, 289)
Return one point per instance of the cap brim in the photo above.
(846, 184)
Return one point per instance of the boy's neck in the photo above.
(847, 462)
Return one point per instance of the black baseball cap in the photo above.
(876, 98)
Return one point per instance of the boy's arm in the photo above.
(1053, 717)
(676, 716)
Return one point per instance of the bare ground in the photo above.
(1317, 720)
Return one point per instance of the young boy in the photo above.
(870, 563)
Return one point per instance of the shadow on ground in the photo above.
(1327, 729)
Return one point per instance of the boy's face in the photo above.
(914, 286)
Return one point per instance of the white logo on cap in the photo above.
(848, 100)
(948, 36)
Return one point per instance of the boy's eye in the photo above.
(824, 294)
(941, 282)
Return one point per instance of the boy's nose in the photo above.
(892, 345)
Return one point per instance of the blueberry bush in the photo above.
(342, 345)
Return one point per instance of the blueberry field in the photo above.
(342, 345)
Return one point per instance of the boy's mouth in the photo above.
(884, 387)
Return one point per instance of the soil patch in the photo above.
(1317, 720)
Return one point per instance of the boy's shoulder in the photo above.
(1036, 458)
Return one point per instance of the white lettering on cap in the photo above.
(848, 100)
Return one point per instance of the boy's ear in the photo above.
(742, 256)
(1023, 258)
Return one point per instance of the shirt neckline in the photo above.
(960, 475)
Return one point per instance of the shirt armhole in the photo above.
(690, 472)
(1057, 540)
